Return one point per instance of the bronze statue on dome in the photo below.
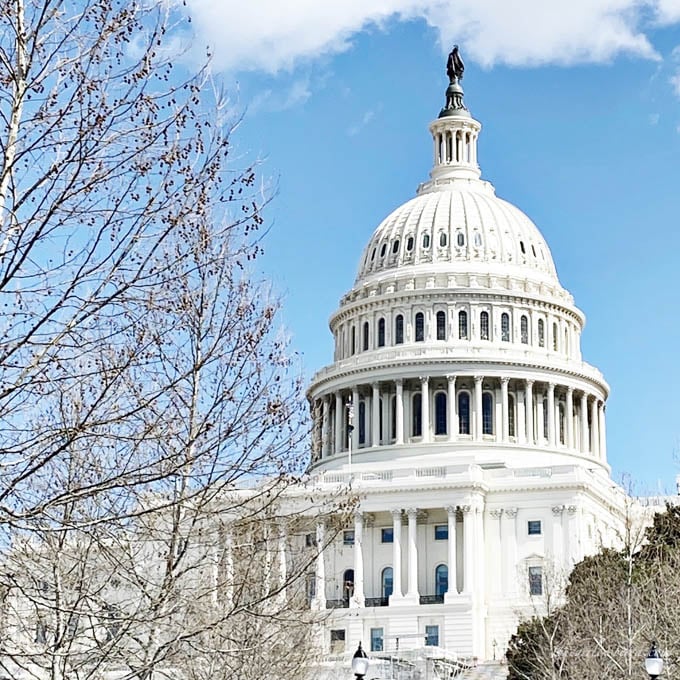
(454, 65)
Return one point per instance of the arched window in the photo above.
(541, 333)
(420, 327)
(462, 325)
(393, 418)
(487, 413)
(347, 584)
(442, 239)
(505, 327)
(399, 329)
(554, 334)
(562, 423)
(365, 336)
(417, 420)
(524, 329)
(460, 239)
(353, 341)
(441, 580)
(440, 413)
(441, 325)
(362, 422)
(387, 582)
(463, 413)
(409, 243)
(426, 240)
(511, 415)
(381, 332)
(395, 246)
(383, 249)
(484, 325)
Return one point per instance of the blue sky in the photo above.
(580, 107)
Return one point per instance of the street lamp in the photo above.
(654, 662)
(360, 663)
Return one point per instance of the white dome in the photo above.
(459, 227)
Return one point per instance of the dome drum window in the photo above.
(426, 240)
(442, 239)
(505, 327)
(441, 325)
(399, 329)
(462, 325)
(524, 330)
(484, 326)
(420, 327)
(381, 332)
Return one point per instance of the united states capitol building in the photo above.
(460, 411)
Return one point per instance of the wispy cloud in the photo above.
(365, 120)
(270, 35)
(274, 100)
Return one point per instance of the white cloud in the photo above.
(654, 118)
(273, 100)
(365, 120)
(271, 35)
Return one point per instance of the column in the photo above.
(529, 411)
(509, 551)
(495, 538)
(584, 424)
(357, 599)
(477, 410)
(400, 411)
(452, 591)
(228, 567)
(326, 433)
(412, 592)
(594, 421)
(425, 401)
(320, 572)
(375, 417)
(453, 417)
(468, 550)
(339, 416)
(504, 410)
(558, 538)
(283, 564)
(603, 434)
(551, 415)
(570, 417)
(540, 430)
(354, 415)
(397, 592)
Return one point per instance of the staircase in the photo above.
(486, 671)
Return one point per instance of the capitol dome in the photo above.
(459, 411)
(460, 227)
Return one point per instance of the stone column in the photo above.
(425, 401)
(452, 590)
(509, 551)
(495, 538)
(399, 416)
(452, 414)
(529, 411)
(397, 592)
(468, 550)
(357, 599)
(320, 589)
(326, 432)
(354, 419)
(477, 410)
(603, 434)
(594, 422)
(412, 593)
(551, 415)
(570, 417)
(540, 430)
(585, 447)
(505, 430)
(339, 417)
(375, 415)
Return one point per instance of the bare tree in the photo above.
(143, 375)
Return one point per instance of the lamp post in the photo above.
(360, 663)
(654, 662)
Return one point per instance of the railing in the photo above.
(431, 599)
(337, 604)
(377, 601)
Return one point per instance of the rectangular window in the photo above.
(432, 636)
(338, 641)
(535, 581)
(441, 532)
(387, 535)
(348, 537)
(376, 639)
(311, 587)
(310, 540)
(534, 527)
